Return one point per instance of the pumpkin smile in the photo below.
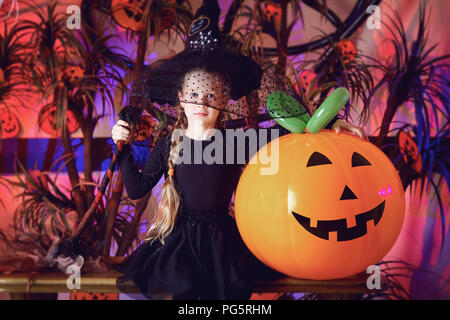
(340, 225)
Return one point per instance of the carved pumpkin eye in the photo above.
(317, 159)
(358, 160)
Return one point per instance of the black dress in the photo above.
(204, 256)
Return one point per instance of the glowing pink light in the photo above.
(384, 192)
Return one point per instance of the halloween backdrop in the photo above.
(65, 72)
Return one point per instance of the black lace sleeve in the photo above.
(139, 183)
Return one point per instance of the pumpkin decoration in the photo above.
(334, 206)
(130, 14)
(305, 79)
(410, 151)
(10, 124)
(347, 50)
(47, 120)
(271, 10)
(73, 74)
(70, 75)
(145, 129)
(93, 296)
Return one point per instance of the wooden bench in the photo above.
(23, 285)
(20, 284)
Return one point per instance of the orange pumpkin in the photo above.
(73, 74)
(130, 14)
(347, 49)
(305, 78)
(94, 296)
(47, 120)
(410, 151)
(334, 206)
(10, 124)
(271, 10)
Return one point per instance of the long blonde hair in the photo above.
(169, 204)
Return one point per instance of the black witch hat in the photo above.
(161, 81)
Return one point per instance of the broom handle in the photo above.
(101, 191)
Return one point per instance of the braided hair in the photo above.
(169, 204)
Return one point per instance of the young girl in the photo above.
(194, 249)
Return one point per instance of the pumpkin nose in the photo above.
(347, 194)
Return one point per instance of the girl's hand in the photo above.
(342, 125)
(121, 131)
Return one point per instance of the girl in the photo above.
(194, 249)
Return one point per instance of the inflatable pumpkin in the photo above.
(334, 206)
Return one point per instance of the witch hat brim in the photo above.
(161, 81)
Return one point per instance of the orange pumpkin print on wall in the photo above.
(47, 120)
(130, 13)
(10, 124)
(145, 129)
(334, 206)
(347, 50)
(305, 78)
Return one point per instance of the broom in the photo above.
(73, 245)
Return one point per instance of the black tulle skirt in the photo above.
(203, 258)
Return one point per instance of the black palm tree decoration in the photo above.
(413, 76)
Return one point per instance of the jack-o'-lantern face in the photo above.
(271, 10)
(145, 129)
(10, 124)
(340, 226)
(347, 50)
(131, 14)
(410, 151)
(73, 74)
(305, 78)
(334, 206)
(47, 120)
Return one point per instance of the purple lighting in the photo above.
(383, 192)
